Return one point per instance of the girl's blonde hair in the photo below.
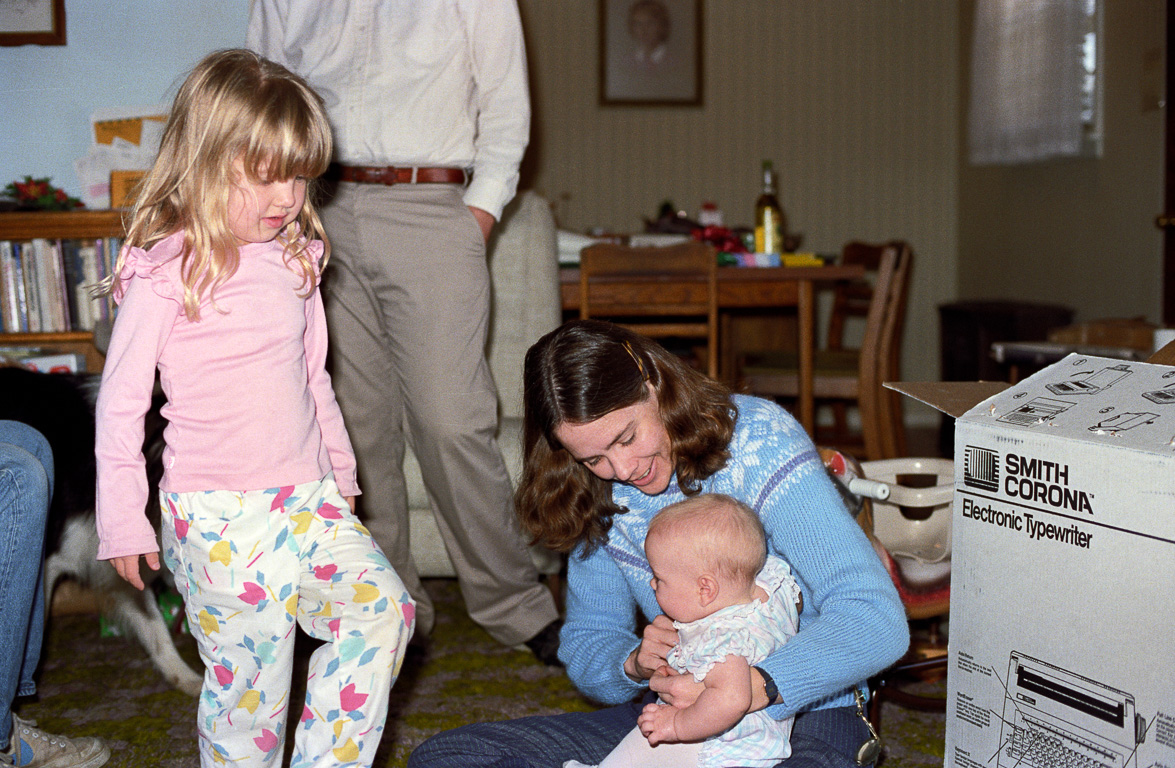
(234, 104)
(721, 533)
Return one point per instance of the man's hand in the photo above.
(656, 722)
(128, 567)
(657, 640)
(485, 220)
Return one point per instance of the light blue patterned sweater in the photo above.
(853, 623)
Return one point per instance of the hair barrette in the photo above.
(640, 366)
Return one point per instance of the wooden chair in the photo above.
(661, 292)
(847, 376)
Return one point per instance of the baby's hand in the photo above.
(128, 567)
(657, 724)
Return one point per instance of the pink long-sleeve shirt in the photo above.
(249, 401)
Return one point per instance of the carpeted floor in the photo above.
(104, 686)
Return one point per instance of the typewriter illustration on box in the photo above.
(1039, 410)
(1054, 718)
(1092, 384)
(1164, 396)
(1120, 422)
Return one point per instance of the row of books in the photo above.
(46, 285)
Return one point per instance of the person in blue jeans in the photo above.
(615, 429)
(26, 487)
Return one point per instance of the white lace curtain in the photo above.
(1026, 80)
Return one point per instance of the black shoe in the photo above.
(545, 645)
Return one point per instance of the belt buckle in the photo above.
(377, 175)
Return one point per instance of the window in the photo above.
(1035, 89)
(1091, 96)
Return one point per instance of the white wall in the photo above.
(129, 52)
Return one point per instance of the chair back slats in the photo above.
(881, 303)
(889, 357)
(870, 368)
(851, 298)
(658, 291)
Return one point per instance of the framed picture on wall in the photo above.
(32, 22)
(651, 52)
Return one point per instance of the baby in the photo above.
(733, 605)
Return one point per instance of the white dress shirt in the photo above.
(412, 82)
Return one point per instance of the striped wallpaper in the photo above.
(856, 102)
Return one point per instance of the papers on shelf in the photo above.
(125, 139)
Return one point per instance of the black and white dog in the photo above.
(61, 407)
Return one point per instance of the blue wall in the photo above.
(125, 53)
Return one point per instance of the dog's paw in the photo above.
(187, 681)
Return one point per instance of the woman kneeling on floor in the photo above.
(617, 428)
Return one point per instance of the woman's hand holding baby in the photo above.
(675, 689)
(657, 640)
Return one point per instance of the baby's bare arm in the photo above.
(724, 701)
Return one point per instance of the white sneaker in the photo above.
(31, 747)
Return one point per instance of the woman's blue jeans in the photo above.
(825, 738)
(26, 486)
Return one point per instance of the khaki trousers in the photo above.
(407, 296)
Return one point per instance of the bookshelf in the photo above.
(60, 225)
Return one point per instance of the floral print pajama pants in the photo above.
(248, 565)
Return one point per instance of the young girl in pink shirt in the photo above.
(218, 290)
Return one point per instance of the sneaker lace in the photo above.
(29, 733)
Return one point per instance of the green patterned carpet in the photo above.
(104, 686)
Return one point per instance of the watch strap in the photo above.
(769, 686)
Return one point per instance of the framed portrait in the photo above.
(651, 52)
(32, 22)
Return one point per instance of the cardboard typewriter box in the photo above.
(1062, 626)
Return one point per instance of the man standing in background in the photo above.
(428, 101)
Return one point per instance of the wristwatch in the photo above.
(769, 686)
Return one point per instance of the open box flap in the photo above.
(954, 398)
(1164, 356)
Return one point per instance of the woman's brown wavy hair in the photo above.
(581, 371)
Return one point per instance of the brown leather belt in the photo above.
(389, 175)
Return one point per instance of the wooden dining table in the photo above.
(767, 289)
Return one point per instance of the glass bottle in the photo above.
(770, 224)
